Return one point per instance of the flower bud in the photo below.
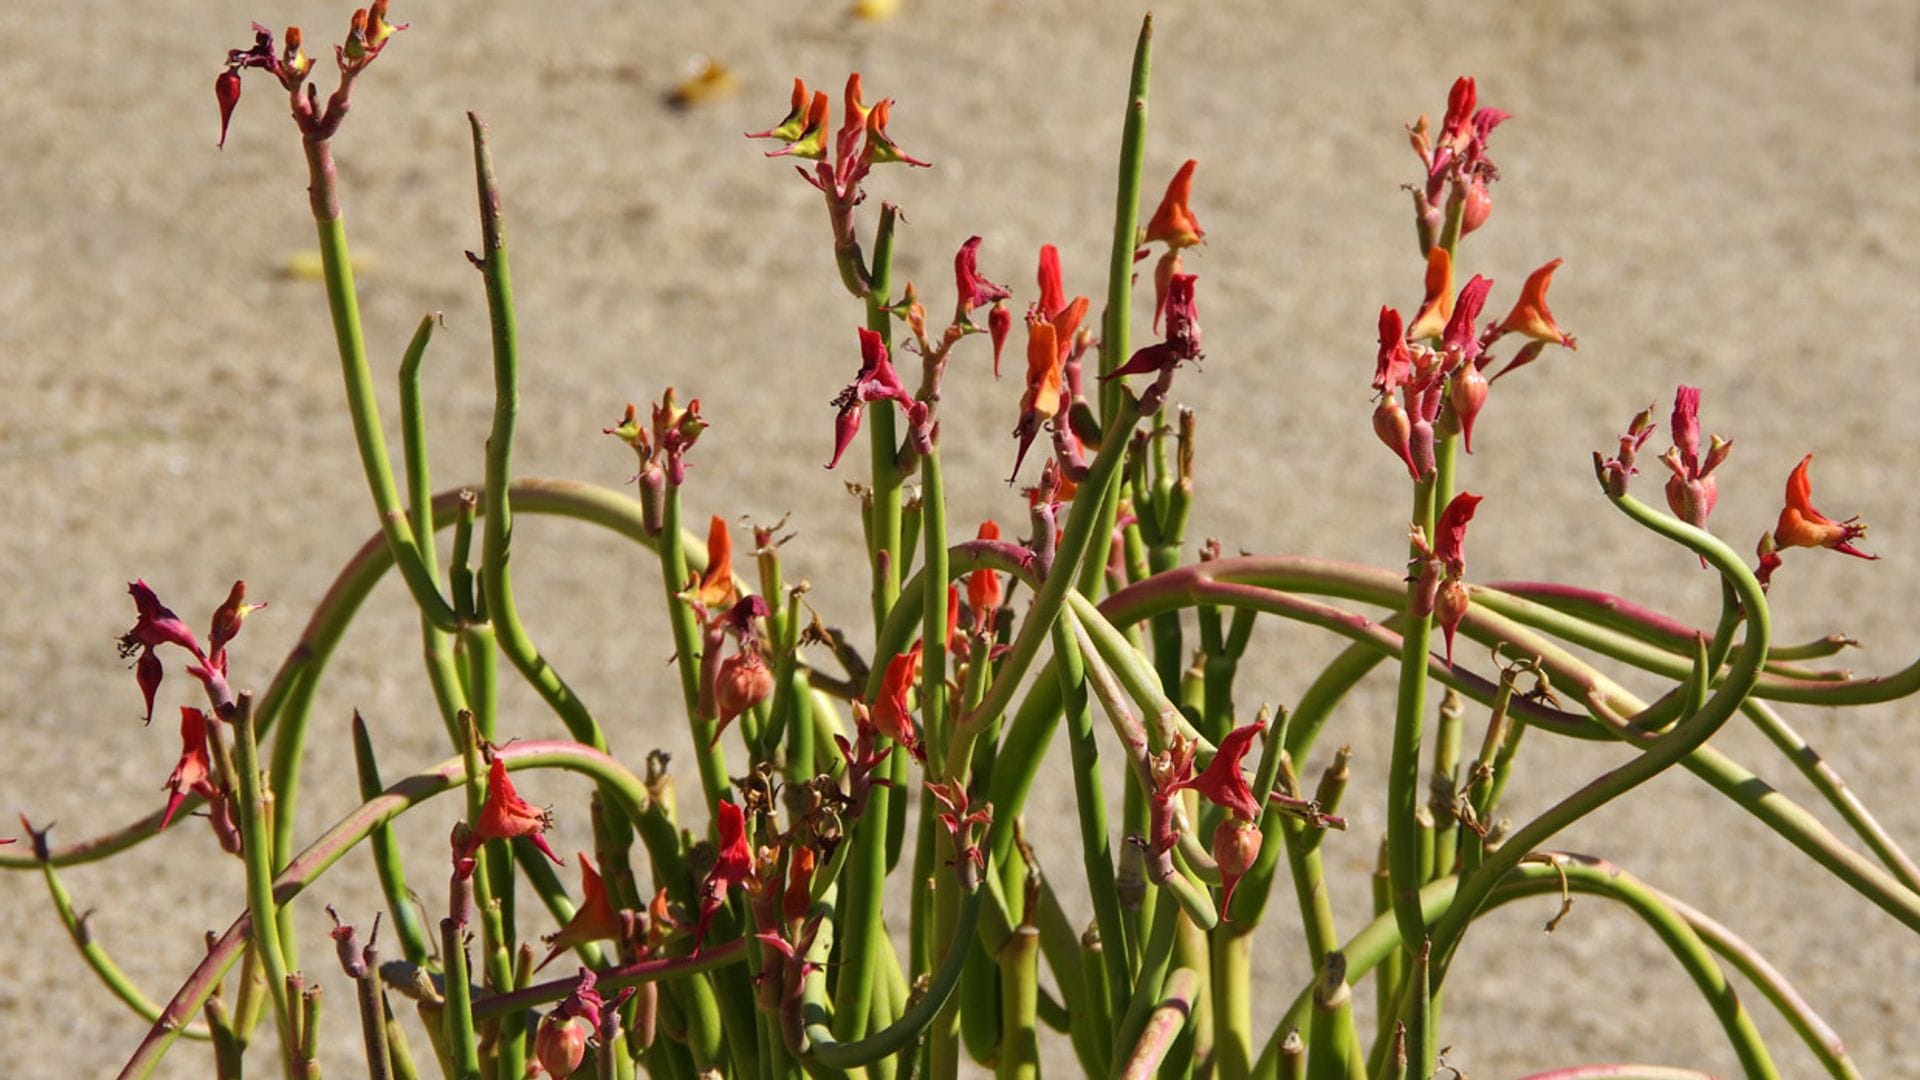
(1449, 607)
(560, 1045)
(744, 681)
(1236, 844)
(1467, 394)
(1395, 430)
(226, 91)
(1478, 206)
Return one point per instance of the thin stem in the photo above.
(1403, 771)
(1168, 1018)
(256, 849)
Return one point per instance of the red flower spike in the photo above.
(732, 864)
(594, 920)
(507, 815)
(1173, 224)
(1450, 532)
(789, 129)
(1530, 315)
(194, 772)
(1467, 395)
(715, 587)
(1801, 525)
(890, 713)
(1436, 309)
(999, 323)
(226, 91)
(1393, 364)
(1236, 845)
(973, 289)
(1221, 782)
(1458, 338)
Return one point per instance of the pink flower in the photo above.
(193, 774)
(506, 815)
(876, 381)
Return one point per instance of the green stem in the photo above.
(1020, 1002)
(496, 576)
(1114, 331)
(708, 754)
(255, 810)
(1096, 854)
(457, 1013)
(1690, 734)
(1164, 1024)
(102, 964)
(1403, 771)
(362, 405)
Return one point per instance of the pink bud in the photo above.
(1478, 206)
(999, 322)
(560, 1045)
(1391, 424)
(1467, 395)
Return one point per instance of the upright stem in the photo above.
(1403, 772)
(256, 848)
(362, 405)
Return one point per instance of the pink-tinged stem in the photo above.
(1168, 1019)
(341, 838)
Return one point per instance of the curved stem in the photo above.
(1672, 748)
(102, 964)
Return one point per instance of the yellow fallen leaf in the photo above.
(710, 81)
(876, 10)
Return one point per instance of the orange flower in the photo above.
(507, 815)
(891, 715)
(1802, 526)
(715, 588)
(594, 920)
(799, 895)
(732, 865)
(1437, 308)
(1530, 315)
(984, 591)
(1173, 224)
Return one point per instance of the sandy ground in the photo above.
(1729, 184)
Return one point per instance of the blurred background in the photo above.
(1731, 186)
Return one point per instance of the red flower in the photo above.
(861, 143)
(194, 772)
(1458, 338)
(877, 381)
(973, 289)
(226, 91)
(963, 826)
(1801, 525)
(1221, 782)
(1393, 364)
(155, 625)
(507, 815)
(732, 864)
(1450, 532)
(594, 920)
(1437, 308)
(1530, 315)
(1692, 490)
(1173, 224)
(890, 713)
(1045, 381)
(999, 324)
(799, 895)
